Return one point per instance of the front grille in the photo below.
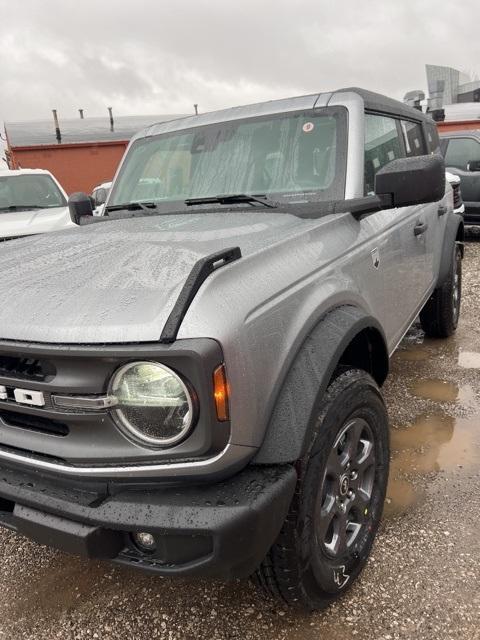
(34, 423)
(26, 368)
(35, 433)
(457, 196)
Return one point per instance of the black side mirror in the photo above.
(473, 165)
(81, 207)
(409, 181)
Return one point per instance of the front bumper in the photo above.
(223, 530)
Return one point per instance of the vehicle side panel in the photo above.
(279, 296)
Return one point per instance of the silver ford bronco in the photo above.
(190, 384)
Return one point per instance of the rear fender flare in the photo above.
(453, 231)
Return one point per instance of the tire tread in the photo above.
(436, 317)
(279, 574)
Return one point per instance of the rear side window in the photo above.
(413, 138)
(433, 139)
(382, 145)
(461, 151)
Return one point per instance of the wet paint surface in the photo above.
(420, 583)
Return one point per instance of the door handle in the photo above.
(420, 228)
(442, 210)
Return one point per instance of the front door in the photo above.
(401, 236)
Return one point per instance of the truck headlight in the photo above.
(153, 404)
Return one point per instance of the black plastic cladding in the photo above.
(200, 272)
(242, 516)
(93, 437)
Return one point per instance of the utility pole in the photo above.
(58, 135)
(110, 111)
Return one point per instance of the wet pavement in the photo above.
(422, 581)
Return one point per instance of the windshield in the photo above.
(293, 157)
(29, 191)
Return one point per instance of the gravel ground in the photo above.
(421, 582)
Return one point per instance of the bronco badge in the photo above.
(23, 396)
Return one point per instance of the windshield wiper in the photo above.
(234, 198)
(20, 207)
(132, 206)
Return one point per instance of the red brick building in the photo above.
(88, 153)
(457, 125)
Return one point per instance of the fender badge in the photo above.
(376, 257)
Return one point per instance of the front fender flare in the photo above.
(292, 418)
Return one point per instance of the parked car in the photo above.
(455, 183)
(461, 150)
(191, 383)
(99, 195)
(31, 202)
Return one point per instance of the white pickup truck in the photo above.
(31, 202)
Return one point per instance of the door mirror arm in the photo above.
(362, 207)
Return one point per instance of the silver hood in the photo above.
(117, 281)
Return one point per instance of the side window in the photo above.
(382, 145)
(413, 138)
(443, 145)
(461, 151)
(432, 138)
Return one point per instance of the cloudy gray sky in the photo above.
(154, 56)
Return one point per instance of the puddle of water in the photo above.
(433, 443)
(436, 443)
(414, 335)
(469, 359)
(438, 390)
(401, 496)
(412, 355)
(426, 430)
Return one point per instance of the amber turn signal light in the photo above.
(220, 392)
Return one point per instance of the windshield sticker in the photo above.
(308, 126)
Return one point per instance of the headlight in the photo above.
(153, 403)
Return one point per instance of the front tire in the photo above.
(329, 531)
(439, 317)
